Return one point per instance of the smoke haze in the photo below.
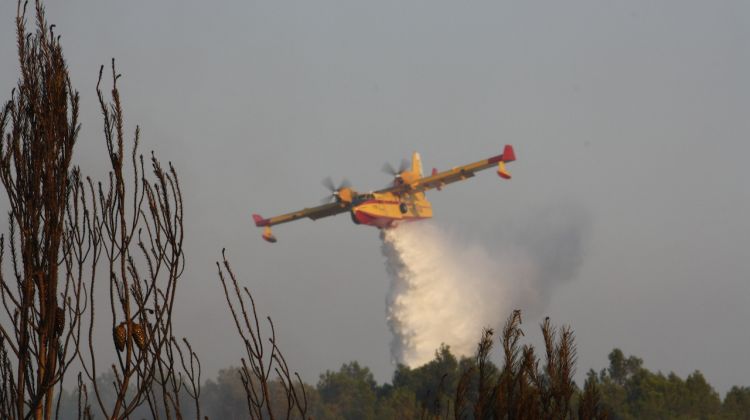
(444, 290)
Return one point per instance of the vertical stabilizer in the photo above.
(416, 165)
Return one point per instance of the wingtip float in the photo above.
(403, 201)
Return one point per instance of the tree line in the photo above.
(448, 388)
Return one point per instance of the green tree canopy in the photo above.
(349, 393)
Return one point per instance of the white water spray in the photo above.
(444, 290)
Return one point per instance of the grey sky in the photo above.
(635, 112)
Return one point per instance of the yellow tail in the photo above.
(416, 165)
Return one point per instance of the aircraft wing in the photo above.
(313, 213)
(440, 179)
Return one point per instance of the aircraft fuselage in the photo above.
(387, 210)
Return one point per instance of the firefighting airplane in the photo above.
(403, 201)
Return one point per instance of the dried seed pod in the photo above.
(140, 336)
(119, 333)
(59, 321)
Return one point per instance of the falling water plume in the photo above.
(444, 290)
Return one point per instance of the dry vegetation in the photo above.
(67, 234)
(263, 361)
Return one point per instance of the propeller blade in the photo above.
(402, 166)
(328, 183)
(389, 169)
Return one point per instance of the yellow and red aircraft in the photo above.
(403, 201)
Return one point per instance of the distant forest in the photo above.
(624, 390)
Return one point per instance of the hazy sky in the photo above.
(632, 113)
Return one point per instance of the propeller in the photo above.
(390, 170)
(330, 186)
(328, 183)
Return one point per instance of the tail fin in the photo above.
(416, 165)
